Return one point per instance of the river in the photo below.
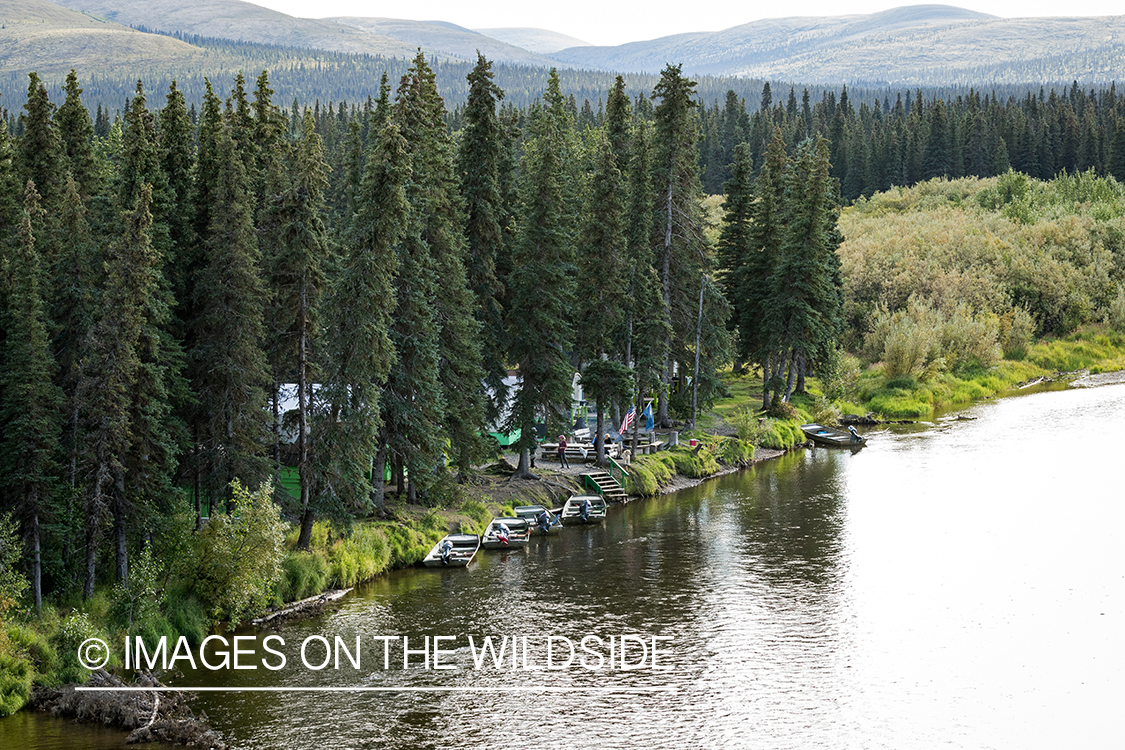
(952, 585)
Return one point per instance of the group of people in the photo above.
(562, 444)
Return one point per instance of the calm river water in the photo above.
(955, 585)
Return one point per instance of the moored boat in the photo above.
(538, 522)
(833, 437)
(518, 533)
(583, 509)
(462, 548)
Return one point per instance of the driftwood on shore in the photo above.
(304, 608)
(148, 715)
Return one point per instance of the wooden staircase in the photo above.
(605, 484)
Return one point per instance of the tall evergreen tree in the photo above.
(177, 160)
(298, 279)
(359, 352)
(435, 197)
(679, 240)
(734, 239)
(226, 362)
(77, 136)
(482, 151)
(602, 270)
(29, 411)
(111, 392)
(39, 154)
(804, 313)
(542, 277)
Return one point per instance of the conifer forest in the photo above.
(198, 298)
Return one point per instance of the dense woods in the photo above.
(198, 301)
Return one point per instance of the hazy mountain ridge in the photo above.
(930, 44)
(924, 45)
(541, 41)
(445, 38)
(240, 21)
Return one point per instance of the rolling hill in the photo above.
(445, 39)
(241, 21)
(542, 41)
(931, 45)
(44, 37)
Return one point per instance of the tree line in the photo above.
(171, 278)
(916, 136)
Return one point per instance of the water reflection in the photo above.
(955, 584)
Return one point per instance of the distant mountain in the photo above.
(240, 21)
(446, 39)
(921, 45)
(929, 45)
(41, 36)
(542, 41)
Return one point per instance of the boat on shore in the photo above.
(533, 513)
(464, 548)
(830, 436)
(519, 534)
(573, 515)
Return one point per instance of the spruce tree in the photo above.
(679, 237)
(358, 350)
(806, 303)
(542, 279)
(734, 239)
(757, 265)
(602, 272)
(177, 160)
(77, 135)
(226, 363)
(114, 375)
(479, 159)
(436, 242)
(297, 274)
(39, 154)
(29, 411)
(74, 274)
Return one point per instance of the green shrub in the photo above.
(75, 629)
(238, 558)
(1016, 329)
(735, 452)
(745, 422)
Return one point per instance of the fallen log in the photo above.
(305, 607)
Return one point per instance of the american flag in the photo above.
(627, 422)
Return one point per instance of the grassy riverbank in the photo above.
(733, 433)
(1093, 349)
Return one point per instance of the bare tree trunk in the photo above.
(36, 559)
(91, 543)
(666, 284)
(599, 438)
(304, 471)
(121, 547)
(698, 334)
(767, 375)
(789, 380)
(800, 365)
(378, 478)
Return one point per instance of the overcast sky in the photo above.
(618, 21)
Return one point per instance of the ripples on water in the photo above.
(954, 585)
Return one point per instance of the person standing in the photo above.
(562, 452)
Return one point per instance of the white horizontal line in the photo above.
(510, 689)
